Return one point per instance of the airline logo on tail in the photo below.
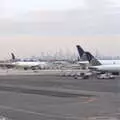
(87, 56)
(92, 60)
(81, 53)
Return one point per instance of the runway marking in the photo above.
(91, 100)
(37, 113)
(102, 118)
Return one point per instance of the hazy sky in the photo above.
(29, 27)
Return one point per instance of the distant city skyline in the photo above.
(27, 46)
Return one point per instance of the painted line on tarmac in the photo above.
(39, 114)
(91, 100)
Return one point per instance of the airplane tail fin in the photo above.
(80, 50)
(87, 56)
(92, 60)
(81, 53)
(13, 56)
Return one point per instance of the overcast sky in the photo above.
(29, 27)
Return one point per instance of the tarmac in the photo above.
(38, 96)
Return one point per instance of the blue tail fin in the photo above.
(80, 50)
(13, 56)
(81, 53)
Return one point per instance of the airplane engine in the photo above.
(115, 73)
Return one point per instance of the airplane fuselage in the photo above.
(30, 64)
(106, 68)
(103, 62)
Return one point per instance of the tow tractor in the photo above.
(82, 76)
(105, 76)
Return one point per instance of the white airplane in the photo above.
(96, 65)
(17, 63)
(30, 65)
(83, 58)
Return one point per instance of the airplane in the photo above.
(84, 60)
(17, 63)
(30, 65)
(100, 66)
(96, 65)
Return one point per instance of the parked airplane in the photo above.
(30, 65)
(96, 65)
(101, 66)
(84, 60)
(17, 63)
